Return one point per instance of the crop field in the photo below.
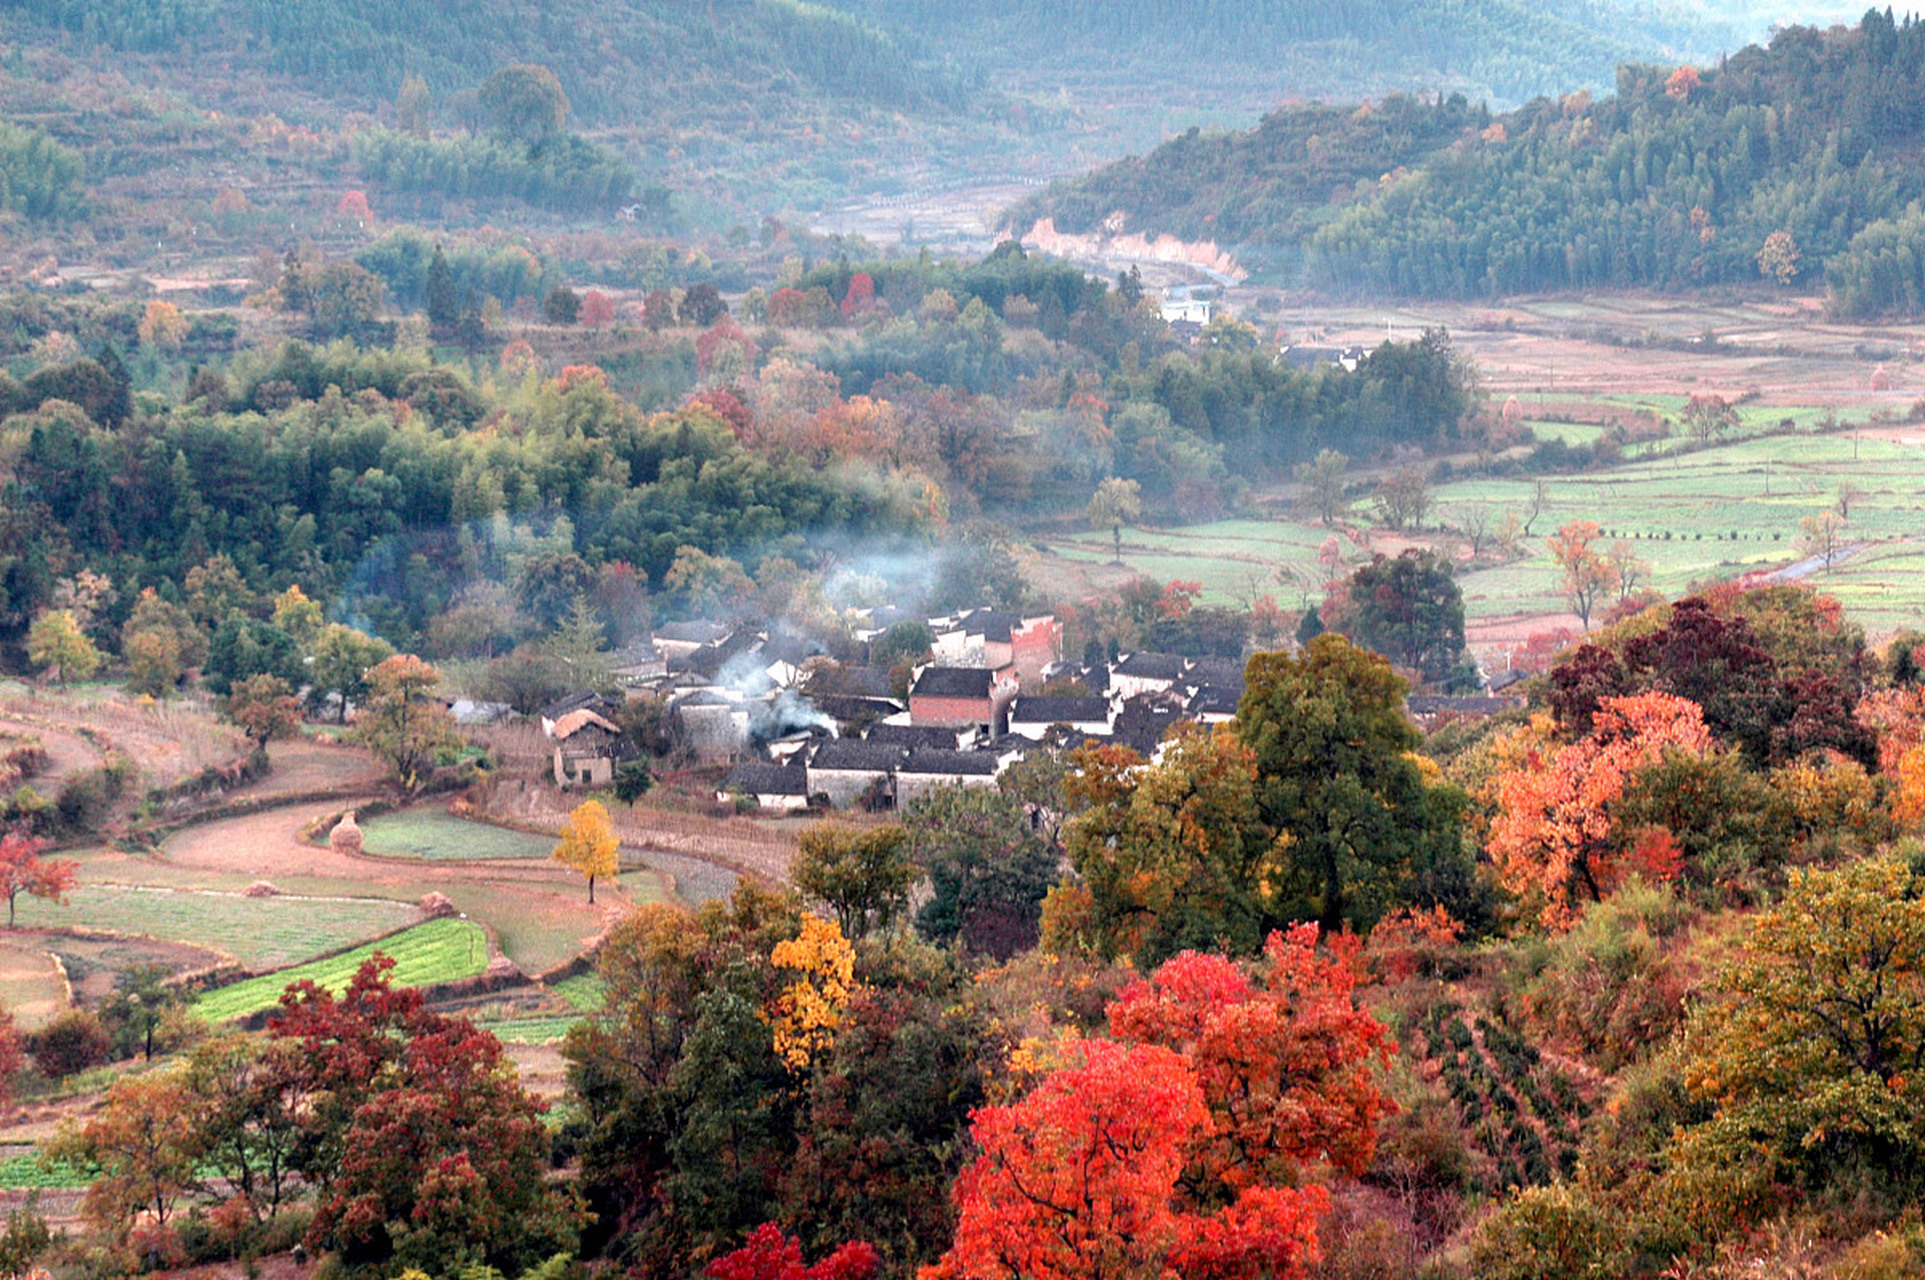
(584, 993)
(22, 1171)
(260, 933)
(550, 1030)
(432, 834)
(1696, 514)
(1232, 559)
(437, 951)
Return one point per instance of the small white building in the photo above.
(1181, 302)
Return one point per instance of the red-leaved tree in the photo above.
(414, 1118)
(1288, 1067)
(23, 870)
(771, 1255)
(1188, 1148)
(598, 309)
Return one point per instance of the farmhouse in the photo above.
(963, 698)
(586, 748)
(1142, 673)
(775, 788)
(846, 771)
(1031, 717)
(990, 638)
(923, 771)
(711, 725)
(680, 639)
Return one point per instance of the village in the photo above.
(798, 730)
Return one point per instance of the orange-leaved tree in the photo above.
(1553, 836)
(1588, 574)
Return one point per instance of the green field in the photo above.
(585, 992)
(261, 933)
(24, 1172)
(1232, 559)
(438, 951)
(435, 835)
(1697, 515)
(529, 1030)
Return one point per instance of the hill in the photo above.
(751, 103)
(752, 106)
(1500, 49)
(1676, 181)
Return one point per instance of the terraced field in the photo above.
(434, 952)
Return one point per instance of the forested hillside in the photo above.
(1679, 179)
(727, 102)
(612, 59)
(757, 105)
(1487, 48)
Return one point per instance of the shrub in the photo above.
(71, 1043)
(1608, 989)
(1545, 1233)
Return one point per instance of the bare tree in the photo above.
(1822, 536)
(1475, 523)
(1403, 499)
(1630, 567)
(1323, 485)
(1540, 499)
(1848, 493)
(1708, 416)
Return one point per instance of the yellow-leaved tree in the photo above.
(589, 843)
(809, 1009)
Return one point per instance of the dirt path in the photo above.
(742, 845)
(303, 766)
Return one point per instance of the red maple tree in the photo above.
(22, 870)
(771, 1255)
(1187, 1148)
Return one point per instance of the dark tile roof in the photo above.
(586, 699)
(711, 658)
(991, 624)
(1427, 704)
(912, 737)
(1214, 700)
(852, 682)
(952, 682)
(1153, 666)
(768, 780)
(955, 763)
(788, 647)
(844, 707)
(1304, 357)
(1225, 673)
(861, 757)
(1142, 739)
(1059, 710)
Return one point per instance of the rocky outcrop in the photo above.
(1133, 247)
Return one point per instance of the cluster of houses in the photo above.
(794, 724)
